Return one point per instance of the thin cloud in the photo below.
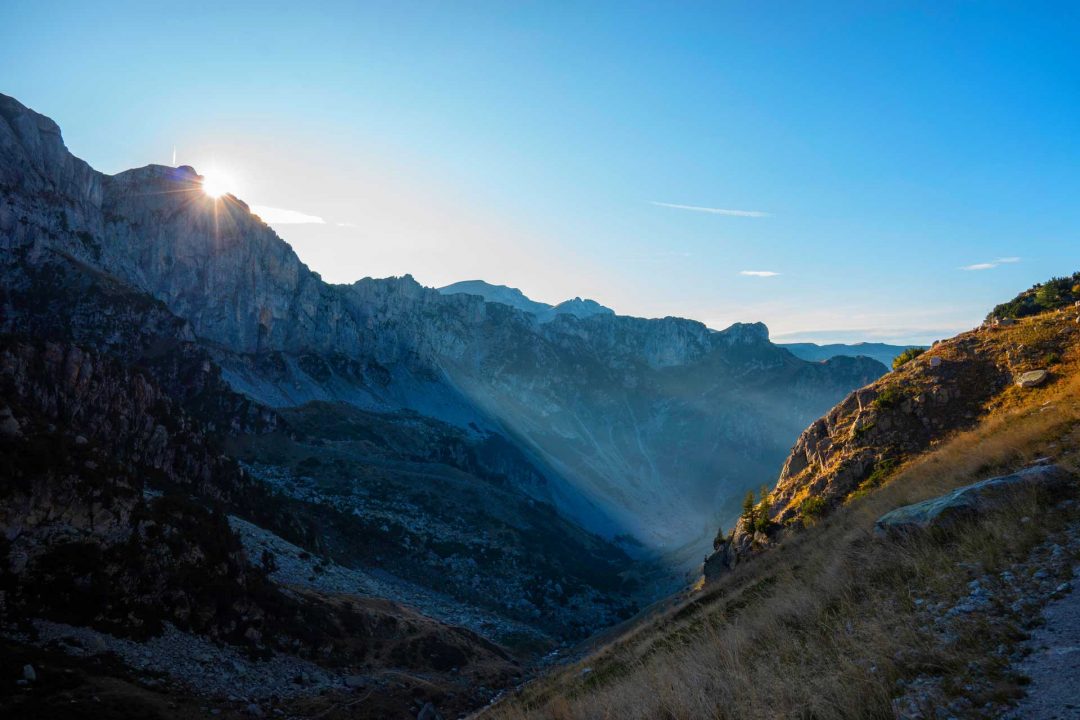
(758, 273)
(991, 265)
(713, 211)
(279, 216)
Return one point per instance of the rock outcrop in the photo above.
(944, 512)
(863, 439)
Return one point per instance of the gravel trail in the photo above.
(1054, 664)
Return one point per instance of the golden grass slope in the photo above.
(825, 624)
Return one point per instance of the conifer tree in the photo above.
(749, 513)
(719, 540)
(764, 509)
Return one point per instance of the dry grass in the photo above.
(825, 624)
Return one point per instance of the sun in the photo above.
(217, 183)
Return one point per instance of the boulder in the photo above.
(1033, 378)
(970, 501)
(429, 713)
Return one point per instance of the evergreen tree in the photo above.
(764, 509)
(719, 540)
(749, 513)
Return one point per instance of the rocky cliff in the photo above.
(861, 442)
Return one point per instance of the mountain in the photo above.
(428, 483)
(516, 299)
(639, 428)
(884, 354)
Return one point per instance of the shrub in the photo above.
(889, 397)
(812, 507)
(905, 357)
(880, 472)
(764, 509)
(1048, 296)
(1052, 294)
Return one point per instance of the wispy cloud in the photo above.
(279, 216)
(758, 273)
(713, 211)
(346, 224)
(991, 265)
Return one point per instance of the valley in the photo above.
(362, 480)
(233, 489)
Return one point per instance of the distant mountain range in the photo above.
(516, 299)
(813, 352)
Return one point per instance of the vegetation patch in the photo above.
(905, 357)
(1053, 294)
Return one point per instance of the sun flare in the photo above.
(216, 184)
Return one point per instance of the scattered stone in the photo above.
(80, 440)
(1032, 378)
(28, 673)
(429, 713)
(9, 426)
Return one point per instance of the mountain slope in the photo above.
(823, 616)
(948, 388)
(641, 428)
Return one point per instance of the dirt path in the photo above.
(1054, 664)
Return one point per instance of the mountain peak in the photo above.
(515, 298)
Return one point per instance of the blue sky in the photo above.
(884, 145)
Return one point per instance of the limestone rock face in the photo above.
(650, 428)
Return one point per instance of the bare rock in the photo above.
(968, 501)
(428, 712)
(1033, 378)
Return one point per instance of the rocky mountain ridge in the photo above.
(516, 299)
(642, 428)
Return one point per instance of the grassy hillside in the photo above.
(832, 622)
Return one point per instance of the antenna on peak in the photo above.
(174, 155)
